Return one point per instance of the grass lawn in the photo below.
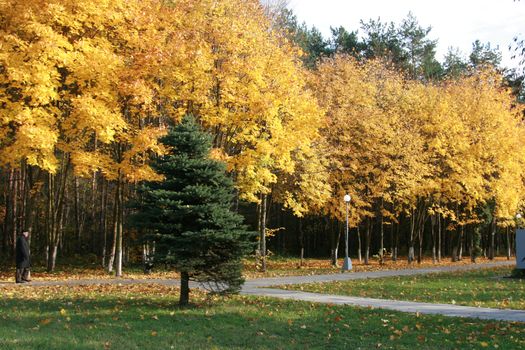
(484, 288)
(146, 317)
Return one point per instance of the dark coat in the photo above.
(22, 253)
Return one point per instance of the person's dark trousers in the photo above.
(22, 275)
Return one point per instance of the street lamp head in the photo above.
(347, 198)
(518, 216)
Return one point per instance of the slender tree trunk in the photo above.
(453, 242)
(492, 236)
(420, 245)
(381, 239)
(395, 253)
(120, 232)
(439, 238)
(411, 254)
(460, 243)
(115, 231)
(508, 242)
(184, 298)
(433, 233)
(263, 233)
(471, 248)
(56, 199)
(14, 207)
(359, 247)
(367, 241)
(392, 239)
(301, 241)
(103, 220)
(77, 215)
(334, 238)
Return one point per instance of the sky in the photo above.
(455, 23)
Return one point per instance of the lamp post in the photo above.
(347, 264)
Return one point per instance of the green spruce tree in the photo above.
(189, 214)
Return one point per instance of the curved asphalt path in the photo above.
(260, 287)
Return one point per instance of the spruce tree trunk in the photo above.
(184, 298)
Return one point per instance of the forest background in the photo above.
(430, 152)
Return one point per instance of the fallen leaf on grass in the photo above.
(45, 321)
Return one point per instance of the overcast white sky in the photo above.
(455, 23)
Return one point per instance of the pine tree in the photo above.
(189, 214)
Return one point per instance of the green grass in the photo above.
(146, 317)
(484, 288)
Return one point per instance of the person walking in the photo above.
(23, 261)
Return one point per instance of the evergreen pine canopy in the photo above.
(189, 213)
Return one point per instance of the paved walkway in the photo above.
(276, 281)
(259, 287)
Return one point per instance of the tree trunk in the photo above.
(301, 241)
(439, 238)
(359, 247)
(396, 244)
(56, 199)
(120, 232)
(460, 243)
(492, 236)
(367, 241)
(472, 254)
(263, 233)
(77, 216)
(184, 298)
(508, 243)
(381, 240)
(103, 220)
(433, 233)
(14, 207)
(115, 232)
(411, 253)
(420, 245)
(335, 236)
(392, 239)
